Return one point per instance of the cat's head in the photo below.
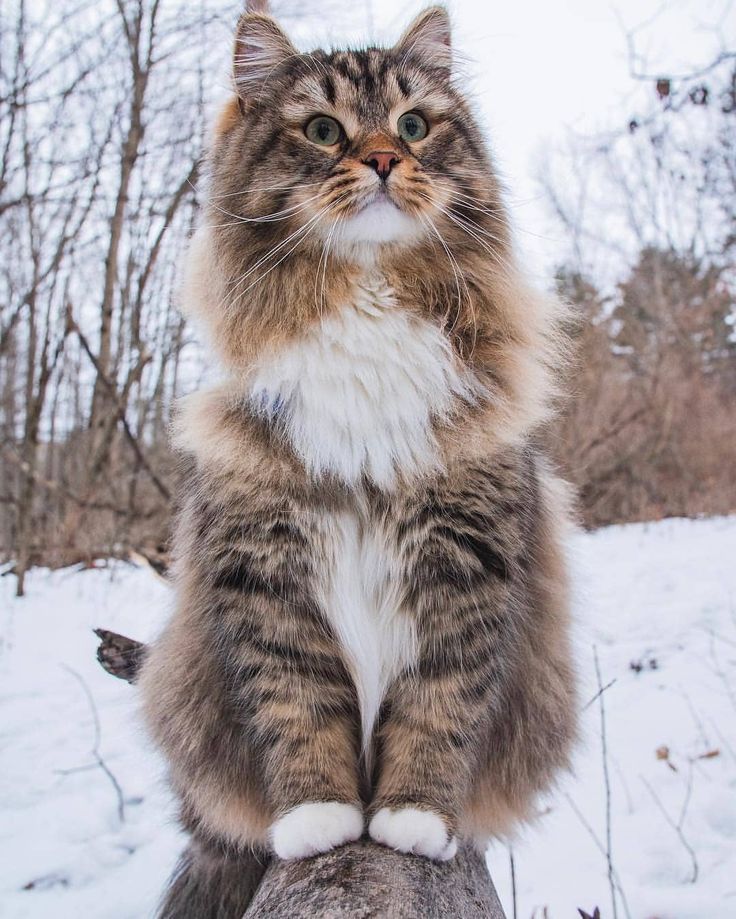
(325, 163)
(352, 148)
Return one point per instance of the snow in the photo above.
(661, 595)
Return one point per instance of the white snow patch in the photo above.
(661, 596)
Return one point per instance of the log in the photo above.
(359, 881)
(366, 881)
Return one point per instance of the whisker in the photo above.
(478, 228)
(471, 203)
(278, 247)
(474, 234)
(276, 215)
(261, 188)
(305, 231)
(455, 269)
(322, 302)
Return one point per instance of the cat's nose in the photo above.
(383, 161)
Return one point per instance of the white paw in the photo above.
(409, 829)
(317, 826)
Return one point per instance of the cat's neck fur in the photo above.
(361, 391)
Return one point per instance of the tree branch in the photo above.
(119, 405)
(120, 656)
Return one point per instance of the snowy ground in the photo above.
(661, 597)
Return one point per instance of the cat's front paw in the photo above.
(315, 827)
(409, 829)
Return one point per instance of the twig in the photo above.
(601, 848)
(720, 672)
(697, 719)
(607, 783)
(119, 407)
(512, 866)
(599, 693)
(724, 740)
(615, 429)
(688, 794)
(60, 488)
(96, 745)
(676, 828)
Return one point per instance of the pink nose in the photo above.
(383, 161)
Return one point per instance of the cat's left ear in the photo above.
(429, 39)
(260, 46)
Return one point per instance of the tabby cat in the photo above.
(371, 627)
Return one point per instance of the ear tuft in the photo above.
(429, 39)
(260, 46)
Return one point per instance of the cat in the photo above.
(371, 622)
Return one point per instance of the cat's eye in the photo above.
(412, 127)
(323, 130)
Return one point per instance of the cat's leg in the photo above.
(291, 680)
(463, 547)
(264, 709)
(427, 754)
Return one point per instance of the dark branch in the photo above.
(120, 656)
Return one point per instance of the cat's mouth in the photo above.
(381, 193)
(381, 197)
(379, 218)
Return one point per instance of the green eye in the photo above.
(412, 127)
(323, 130)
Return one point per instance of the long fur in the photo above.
(361, 392)
(372, 615)
(212, 884)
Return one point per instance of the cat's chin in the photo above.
(379, 222)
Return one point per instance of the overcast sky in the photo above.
(540, 69)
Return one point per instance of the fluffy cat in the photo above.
(371, 628)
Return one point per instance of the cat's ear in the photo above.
(260, 46)
(429, 39)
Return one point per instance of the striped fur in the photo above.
(371, 628)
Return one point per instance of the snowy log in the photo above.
(357, 881)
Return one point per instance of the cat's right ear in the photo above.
(260, 46)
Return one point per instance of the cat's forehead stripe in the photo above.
(362, 88)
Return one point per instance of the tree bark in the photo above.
(367, 881)
(360, 881)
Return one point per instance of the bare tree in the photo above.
(103, 111)
(650, 212)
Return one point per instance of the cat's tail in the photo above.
(212, 883)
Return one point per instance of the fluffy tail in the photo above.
(212, 883)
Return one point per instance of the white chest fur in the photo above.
(362, 603)
(359, 393)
